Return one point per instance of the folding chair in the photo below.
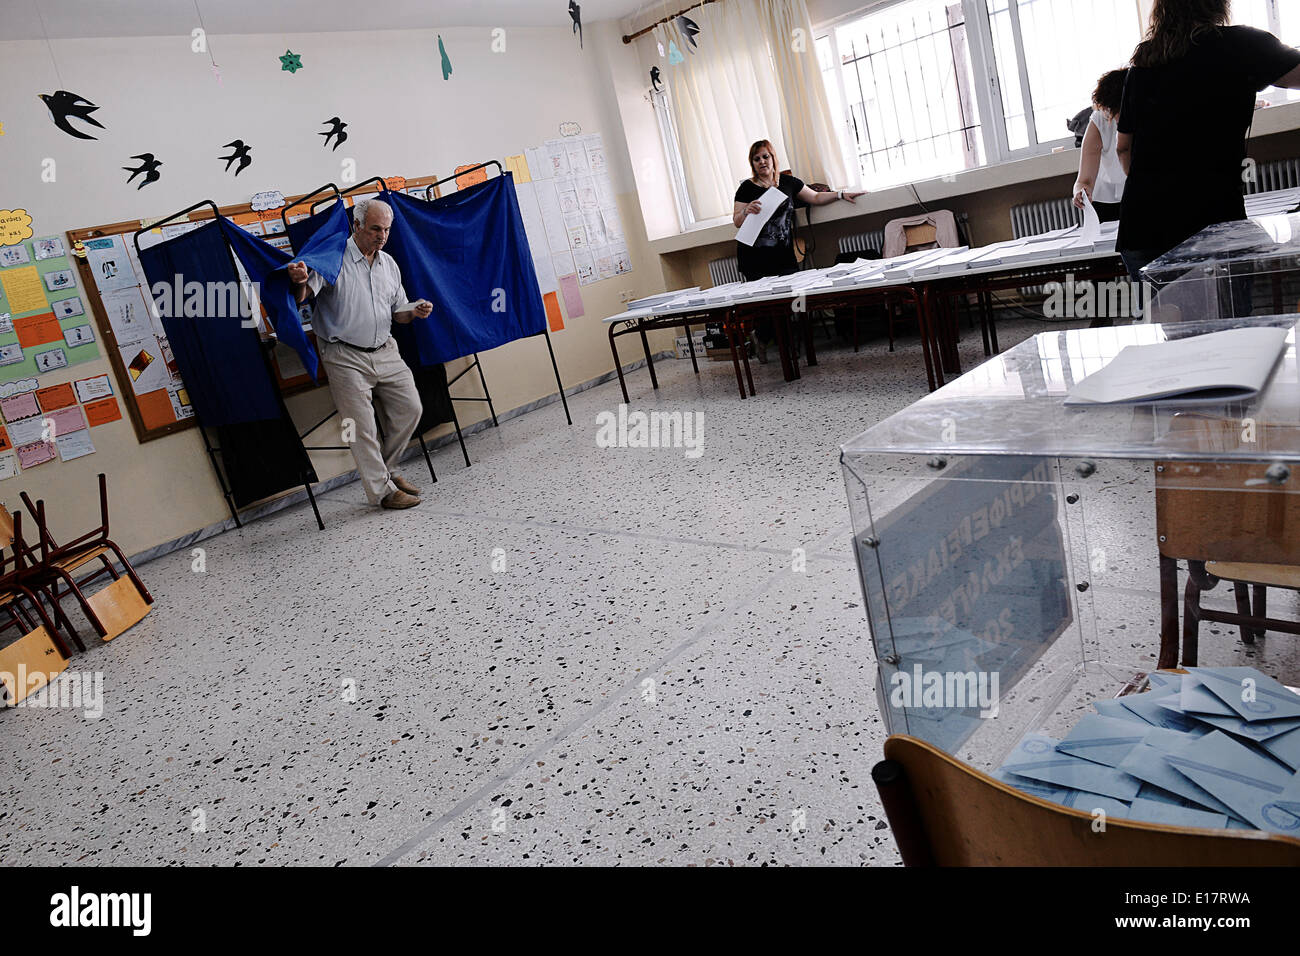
(39, 654)
(112, 609)
(1230, 521)
(945, 813)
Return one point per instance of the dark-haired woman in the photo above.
(1100, 175)
(772, 253)
(1187, 107)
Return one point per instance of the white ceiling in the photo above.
(65, 19)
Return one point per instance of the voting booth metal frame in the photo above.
(546, 329)
(212, 450)
(338, 197)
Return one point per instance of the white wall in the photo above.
(156, 95)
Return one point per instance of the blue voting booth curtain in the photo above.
(220, 360)
(467, 254)
(221, 363)
(266, 266)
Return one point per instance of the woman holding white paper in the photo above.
(772, 251)
(1100, 175)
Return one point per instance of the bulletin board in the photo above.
(112, 287)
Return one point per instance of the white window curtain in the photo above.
(753, 75)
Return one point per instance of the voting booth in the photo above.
(1018, 556)
(1230, 270)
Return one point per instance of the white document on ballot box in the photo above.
(1219, 367)
(768, 203)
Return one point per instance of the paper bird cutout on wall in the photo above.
(2, 129)
(291, 62)
(674, 54)
(654, 78)
(575, 14)
(63, 104)
(148, 166)
(689, 29)
(337, 127)
(241, 153)
(446, 60)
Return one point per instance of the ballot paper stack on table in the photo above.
(1216, 748)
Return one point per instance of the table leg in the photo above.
(921, 298)
(744, 358)
(730, 326)
(810, 350)
(618, 366)
(986, 300)
(690, 344)
(782, 347)
(1168, 613)
(649, 360)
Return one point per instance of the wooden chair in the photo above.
(945, 813)
(112, 609)
(39, 654)
(1231, 522)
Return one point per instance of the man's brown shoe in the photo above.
(398, 500)
(404, 485)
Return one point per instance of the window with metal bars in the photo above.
(927, 88)
(903, 79)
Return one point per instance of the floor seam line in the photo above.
(424, 835)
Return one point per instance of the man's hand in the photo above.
(298, 273)
(422, 309)
(853, 197)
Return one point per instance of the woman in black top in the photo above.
(772, 253)
(1188, 105)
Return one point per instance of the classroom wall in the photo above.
(155, 94)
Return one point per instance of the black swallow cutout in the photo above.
(654, 78)
(63, 104)
(148, 166)
(241, 150)
(337, 127)
(575, 14)
(689, 29)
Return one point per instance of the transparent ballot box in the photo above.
(1010, 548)
(1230, 270)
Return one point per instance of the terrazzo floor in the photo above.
(566, 655)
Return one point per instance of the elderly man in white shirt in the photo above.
(353, 323)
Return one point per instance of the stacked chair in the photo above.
(45, 573)
(39, 654)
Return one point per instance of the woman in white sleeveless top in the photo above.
(1100, 174)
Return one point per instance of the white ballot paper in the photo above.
(1091, 221)
(769, 203)
(1218, 367)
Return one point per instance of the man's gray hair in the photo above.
(361, 209)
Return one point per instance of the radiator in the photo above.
(863, 241)
(725, 270)
(1035, 218)
(1279, 174)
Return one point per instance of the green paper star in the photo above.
(291, 62)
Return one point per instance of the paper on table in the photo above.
(768, 203)
(1091, 221)
(1222, 366)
